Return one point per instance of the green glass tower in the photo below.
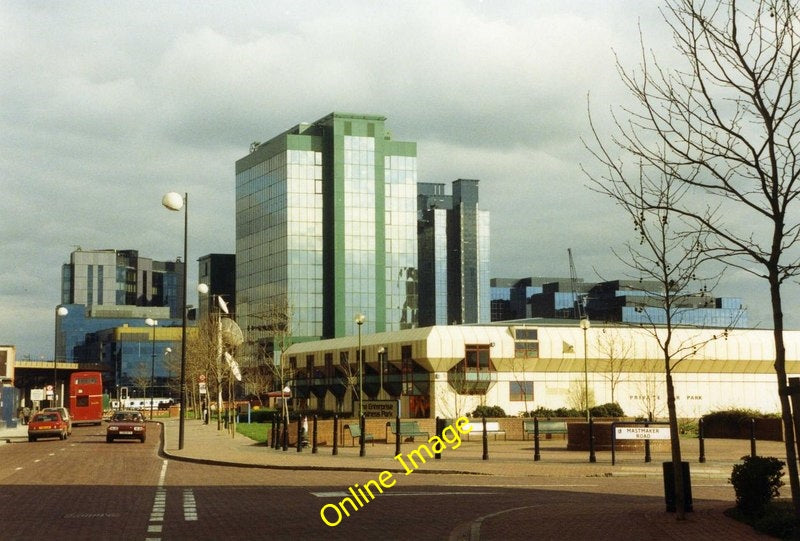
(326, 229)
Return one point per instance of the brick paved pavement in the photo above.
(512, 459)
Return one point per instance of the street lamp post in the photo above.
(359, 319)
(174, 201)
(585, 327)
(152, 323)
(168, 362)
(381, 353)
(61, 311)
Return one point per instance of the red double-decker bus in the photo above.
(86, 397)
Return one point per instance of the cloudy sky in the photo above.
(107, 105)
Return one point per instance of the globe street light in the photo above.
(359, 319)
(174, 201)
(585, 327)
(152, 323)
(381, 353)
(168, 355)
(61, 311)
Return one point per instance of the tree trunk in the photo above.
(780, 372)
(675, 446)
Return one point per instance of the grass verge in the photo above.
(254, 431)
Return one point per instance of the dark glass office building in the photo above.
(453, 239)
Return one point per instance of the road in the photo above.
(84, 488)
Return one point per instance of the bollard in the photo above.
(592, 457)
(314, 436)
(299, 435)
(700, 437)
(397, 437)
(362, 422)
(285, 432)
(335, 431)
(536, 456)
(271, 437)
(753, 438)
(485, 441)
(438, 455)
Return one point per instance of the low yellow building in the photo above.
(447, 371)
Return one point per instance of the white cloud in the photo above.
(106, 106)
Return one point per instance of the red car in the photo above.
(126, 425)
(48, 424)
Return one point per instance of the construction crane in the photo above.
(577, 301)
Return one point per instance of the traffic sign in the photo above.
(641, 433)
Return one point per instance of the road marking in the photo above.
(189, 505)
(163, 474)
(343, 494)
(159, 506)
(18, 468)
(475, 527)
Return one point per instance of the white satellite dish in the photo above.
(234, 366)
(231, 332)
(222, 304)
(235, 371)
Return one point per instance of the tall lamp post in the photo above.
(168, 362)
(381, 353)
(359, 319)
(61, 311)
(174, 201)
(150, 322)
(585, 327)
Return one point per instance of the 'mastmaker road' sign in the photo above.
(641, 433)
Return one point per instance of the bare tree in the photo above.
(579, 397)
(724, 123)
(667, 261)
(615, 350)
(648, 396)
(203, 358)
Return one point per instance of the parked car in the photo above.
(47, 425)
(126, 425)
(64, 415)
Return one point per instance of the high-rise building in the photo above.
(96, 278)
(218, 272)
(326, 229)
(453, 236)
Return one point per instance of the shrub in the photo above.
(736, 416)
(611, 409)
(488, 411)
(756, 481)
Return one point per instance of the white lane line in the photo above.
(163, 474)
(189, 505)
(18, 468)
(159, 506)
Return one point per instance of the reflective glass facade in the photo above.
(326, 229)
(454, 255)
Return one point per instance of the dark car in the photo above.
(126, 425)
(47, 425)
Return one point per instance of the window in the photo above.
(520, 391)
(474, 373)
(526, 343)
